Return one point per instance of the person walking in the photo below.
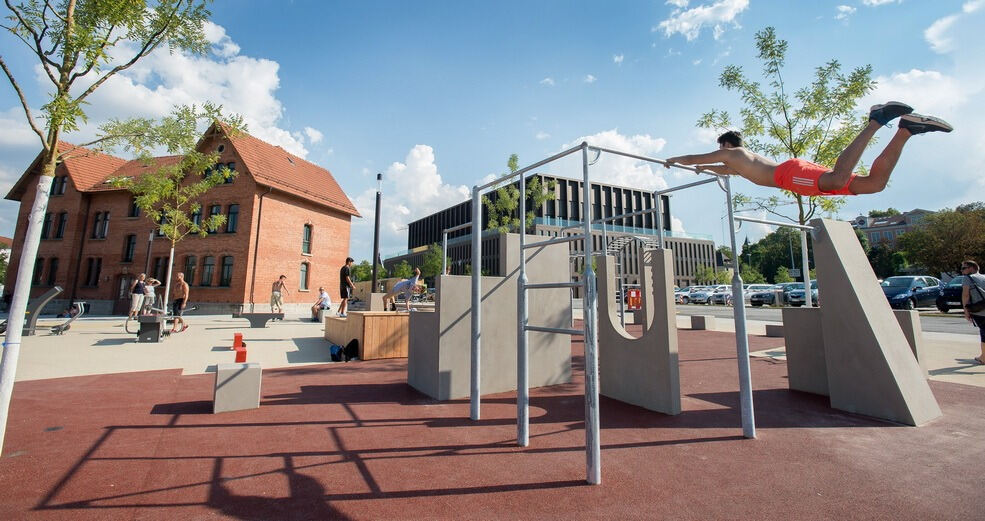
(973, 301)
(181, 292)
(345, 286)
(277, 289)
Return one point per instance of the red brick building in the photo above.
(284, 216)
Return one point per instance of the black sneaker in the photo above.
(889, 111)
(918, 124)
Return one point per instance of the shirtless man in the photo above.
(180, 301)
(806, 178)
(407, 287)
(276, 300)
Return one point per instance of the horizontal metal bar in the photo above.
(689, 185)
(613, 218)
(654, 160)
(556, 240)
(524, 170)
(554, 330)
(456, 228)
(552, 285)
(774, 223)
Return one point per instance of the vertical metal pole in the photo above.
(741, 338)
(806, 269)
(593, 451)
(622, 307)
(522, 372)
(150, 245)
(444, 252)
(476, 300)
(659, 219)
(376, 233)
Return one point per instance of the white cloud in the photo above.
(314, 136)
(547, 81)
(677, 3)
(696, 62)
(411, 189)
(620, 170)
(690, 22)
(617, 59)
(589, 79)
(931, 92)
(878, 2)
(972, 6)
(937, 34)
(15, 132)
(542, 135)
(844, 11)
(157, 83)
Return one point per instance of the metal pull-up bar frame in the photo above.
(804, 261)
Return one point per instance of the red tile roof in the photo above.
(270, 166)
(275, 167)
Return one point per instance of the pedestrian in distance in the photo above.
(345, 286)
(277, 289)
(181, 293)
(973, 301)
(324, 302)
(137, 291)
(810, 179)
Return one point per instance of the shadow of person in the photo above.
(306, 500)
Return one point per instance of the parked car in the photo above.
(704, 296)
(911, 291)
(764, 296)
(723, 297)
(796, 297)
(685, 294)
(950, 295)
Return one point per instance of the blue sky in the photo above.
(436, 95)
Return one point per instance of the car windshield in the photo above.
(898, 282)
(956, 281)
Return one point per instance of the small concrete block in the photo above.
(774, 330)
(376, 301)
(237, 387)
(703, 322)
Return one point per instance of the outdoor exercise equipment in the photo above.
(61, 328)
(34, 312)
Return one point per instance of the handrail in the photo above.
(526, 169)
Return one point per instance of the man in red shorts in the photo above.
(806, 178)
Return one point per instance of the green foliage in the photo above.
(4, 261)
(889, 212)
(403, 270)
(815, 123)
(782, 275)
(885, 261)
(780, 248)
(751, 275)
(502, 210)
(708, 275)
(431, 264)
(364, 271)
(863, 240)
(944, 239)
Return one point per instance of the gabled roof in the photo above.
(277, 168)
(134, 168)
(85, 167)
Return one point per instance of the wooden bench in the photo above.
(259, 319)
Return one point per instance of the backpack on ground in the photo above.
(351, 350)
(336, 352)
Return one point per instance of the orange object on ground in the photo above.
(238, 340)
(634, 299)
(240, 355)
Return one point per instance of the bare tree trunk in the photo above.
(22, 292)
(167, 289)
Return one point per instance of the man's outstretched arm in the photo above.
(717, 156)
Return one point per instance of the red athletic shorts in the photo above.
(800, 177)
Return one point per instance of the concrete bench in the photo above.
(774, 330)
(237, 387)
(259, 319)
(703, 322)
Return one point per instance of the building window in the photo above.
(93, 267)
(46, 226)
(58, 185)
(197, 217)
(190, 262)
(38, 269)
(129, 248)
(160, 223)
(60, 226)
(226, 275)
(232, 168)
(160, 265)
(208, 266)
(303, 280)
(214, 210)
(100, 225)
(306, 239)
(134, 210)
(52, 270)
(232, 219)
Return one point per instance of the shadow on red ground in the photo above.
(353, 441)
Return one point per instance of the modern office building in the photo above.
(284, 215)
(561, 215)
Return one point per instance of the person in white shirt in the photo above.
(323, 302)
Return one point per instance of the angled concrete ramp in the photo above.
(870, 367)
(641, 371)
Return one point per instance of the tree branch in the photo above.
(23, 100)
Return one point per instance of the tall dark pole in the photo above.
(150, 244)
(376, 230)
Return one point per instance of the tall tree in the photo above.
(431, 263)
(79, 43)
(815, 123)
(503, 208)
(944, 239)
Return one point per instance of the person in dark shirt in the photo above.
(345, 286)
(137, 289)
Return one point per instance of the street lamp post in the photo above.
(376, 230)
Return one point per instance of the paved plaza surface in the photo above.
(137, 440)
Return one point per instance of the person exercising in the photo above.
(407, 287)
(810, 179)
